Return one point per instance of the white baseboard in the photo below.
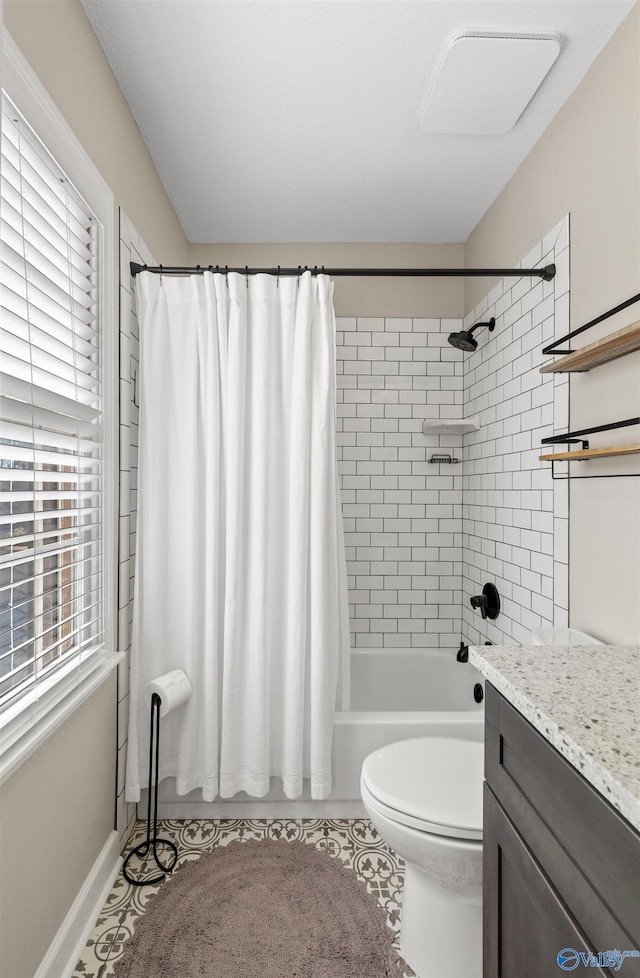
(67, 946)
(259, 809)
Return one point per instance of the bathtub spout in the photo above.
(463, 653)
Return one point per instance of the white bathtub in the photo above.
(395, 694)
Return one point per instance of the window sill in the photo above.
(22, 735)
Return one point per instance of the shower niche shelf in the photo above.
(617, 344)
(450, 426)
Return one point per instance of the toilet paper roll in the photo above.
(173, 688)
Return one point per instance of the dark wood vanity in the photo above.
(561, 864)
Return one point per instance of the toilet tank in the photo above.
(561, 636)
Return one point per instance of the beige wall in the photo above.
(587, 164)
(58, 42)
(58, 807)
(420, 297)
(57, 812)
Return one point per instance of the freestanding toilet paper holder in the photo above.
(152, 841)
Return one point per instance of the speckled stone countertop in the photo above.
(585, 699)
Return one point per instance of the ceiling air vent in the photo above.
(485, 82)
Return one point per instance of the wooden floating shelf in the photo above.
(587, 453)
(611, 347)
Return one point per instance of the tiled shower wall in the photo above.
(515, 516)
(422, 538)
(132, 248)
(402, 514)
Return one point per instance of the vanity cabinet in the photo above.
(561, 865)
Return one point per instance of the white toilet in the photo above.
(424, 797)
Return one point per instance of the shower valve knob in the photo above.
(488, 602)
(479, 601)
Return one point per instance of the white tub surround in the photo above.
(402, 515)
(132, 248)
(584, 700)
(515, 525)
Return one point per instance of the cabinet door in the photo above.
(525, 923)
(588, 851)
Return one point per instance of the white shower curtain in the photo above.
(240, 565)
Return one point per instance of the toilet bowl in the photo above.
(424, 797)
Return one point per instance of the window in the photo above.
(51, 540)
(56, 425)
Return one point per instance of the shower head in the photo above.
(465, 341)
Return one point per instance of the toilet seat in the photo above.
(433, 784)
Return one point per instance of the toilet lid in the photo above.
(435, 780)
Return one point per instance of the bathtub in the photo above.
(394, 694)
(397, 694)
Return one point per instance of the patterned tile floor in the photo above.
(354, 841)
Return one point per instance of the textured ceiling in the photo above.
(298, 120)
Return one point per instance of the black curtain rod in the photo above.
(546, 273)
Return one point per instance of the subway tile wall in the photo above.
(515, 525)
(422, 538)
(132, 248)
(402, 514)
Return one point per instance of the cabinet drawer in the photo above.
(588, 851)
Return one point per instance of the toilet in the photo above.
(424, 797)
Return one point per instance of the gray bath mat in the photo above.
(261, 909)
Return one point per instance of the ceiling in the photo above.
(298, 120)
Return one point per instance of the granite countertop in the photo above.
(585, 700)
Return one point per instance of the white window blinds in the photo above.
(51, 509)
